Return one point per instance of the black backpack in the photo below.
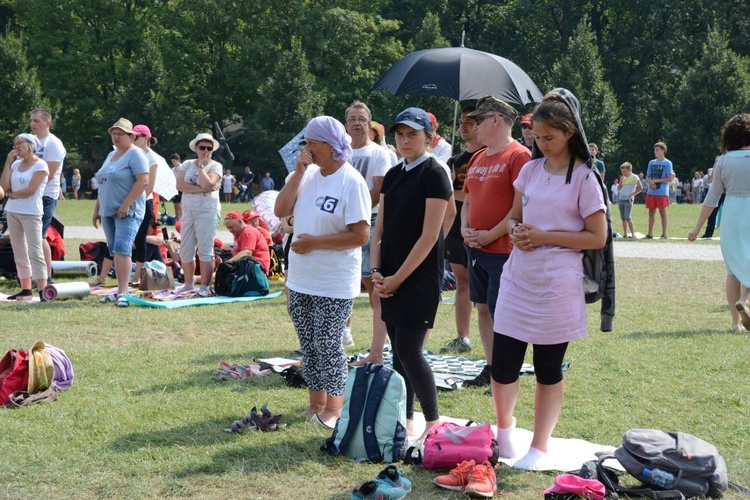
(599, 264)
(244, 278)
(696, 465)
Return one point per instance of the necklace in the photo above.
(549, 174)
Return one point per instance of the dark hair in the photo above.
(175, 157)
(152, 141)
(554, 112)
(735, 133)
(468, 108)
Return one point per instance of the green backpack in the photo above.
(372, 425)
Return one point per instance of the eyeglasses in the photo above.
(16, 144)
(206, 148)
(480, 119)
(361, 119)
(525, 127)
(117, 134)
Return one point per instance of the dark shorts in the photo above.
(177, 198)
(455, 251)
(49, 204)
(485, 270)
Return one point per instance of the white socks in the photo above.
(528, 461)
(504, 442)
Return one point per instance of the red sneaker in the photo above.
(482, 482)
(458, 478)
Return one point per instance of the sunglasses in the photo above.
(525, 127)
(480, 119)
(206, 148)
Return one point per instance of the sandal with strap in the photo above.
(97, 282)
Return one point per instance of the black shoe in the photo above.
(22, 295)
(649, 237)
(41, 297)
(481, 380)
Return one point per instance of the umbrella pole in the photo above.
(453, 135)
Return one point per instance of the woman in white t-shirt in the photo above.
(23, 181)
(331, 206)
(199, 181)
(227, 185)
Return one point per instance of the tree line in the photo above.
(645, 71)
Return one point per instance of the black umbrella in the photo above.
(461, 74)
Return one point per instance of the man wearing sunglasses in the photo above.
(488, 198)
(527, 133)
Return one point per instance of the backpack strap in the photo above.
(374, 398)
(610, 483)
(356, 404)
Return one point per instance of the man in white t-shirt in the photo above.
(372, 161)
(50, 149)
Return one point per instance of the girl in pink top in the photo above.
(558, 210)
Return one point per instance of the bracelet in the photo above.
(375, 270)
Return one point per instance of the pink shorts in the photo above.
(653, 201)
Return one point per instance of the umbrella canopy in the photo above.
(291, 150)
(263, 204)
(461, 74)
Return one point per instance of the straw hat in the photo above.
(41, 368)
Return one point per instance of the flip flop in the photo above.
(744, 313)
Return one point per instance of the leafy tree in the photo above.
(714, 89)
(581, 72)
(287, 101)
(19, 88)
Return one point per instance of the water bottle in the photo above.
(659, 477)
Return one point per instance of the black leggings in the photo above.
(409, 362)
(507, 359)
(140, 237)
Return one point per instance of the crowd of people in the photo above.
(510, 216)
(347, 193)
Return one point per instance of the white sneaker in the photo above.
(347, 339)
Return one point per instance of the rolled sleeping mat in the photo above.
(72, 267)
(74, 290)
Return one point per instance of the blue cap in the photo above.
(415, 118)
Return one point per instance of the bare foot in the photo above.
(410, 429)
(311, 410)
(427, 427)
(370, 358)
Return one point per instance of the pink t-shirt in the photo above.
(541, 298)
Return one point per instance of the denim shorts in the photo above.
(49, 204)
(120, 234)
(484, 276)
(366, 249)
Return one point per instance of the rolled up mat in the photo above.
(75, 290)
(69, 267)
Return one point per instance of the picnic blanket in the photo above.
(201, 301)
(563, 454)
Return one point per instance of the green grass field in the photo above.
(144, 420)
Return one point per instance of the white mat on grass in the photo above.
(563, 454)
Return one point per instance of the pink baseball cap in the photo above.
(142, 130)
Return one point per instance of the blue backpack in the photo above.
(244, 278)
(372, 425)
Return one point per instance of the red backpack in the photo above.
(14, 374)
(448, 444)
